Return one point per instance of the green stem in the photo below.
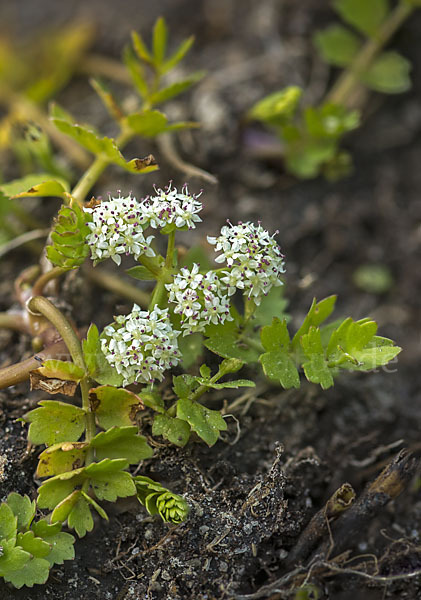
(42, 281)
(91, 176)
(170, 251)
(38, 304)
(342, 90)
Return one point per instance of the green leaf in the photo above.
(153, 399)
(148, 123)
(177, 88)
(276, 362)
(172, 429)
(40, 184)
(69, 248)
(22, 508)
(8, 522)
(235, 384)
(108, 481)
(205, 422)
(364, 16)
(108, 99)
(205, 371)
(103, 372)
(104, 147)
(140, 272)
(158, 500)
(224, 341)
(90, 348)
(159, 41)
(183, 385)
(61, 543)
(57, 488)
(315, 368)
(272, 305)
(388, 74)
(114, 406)
(136, 73)
(96, 506)
(34, 545)
(80, 518)
(61, 458)
(373, 278)
(55, 422)
(65, 507)
(60, 369)
(178, 55)
(277, 108)
(191, 348)
(36, 570)
(140, 47)
(275, 336)
(337, 45)
(12, 559)
(121, 442)
(318, 312)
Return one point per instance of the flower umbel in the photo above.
(117, 228)
(170, 207)
(200, 299)
(254, 258)
(142, 345)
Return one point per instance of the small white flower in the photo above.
(116, 229)
(142, 345)
(200, 299)
(172, 207)
(254, 258)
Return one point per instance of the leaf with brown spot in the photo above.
(114, 406)
(62, 457)
(51, 385)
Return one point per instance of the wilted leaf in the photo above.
(60, 458)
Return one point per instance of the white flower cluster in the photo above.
(254, 258)
(172, 207)
(117, 228)
(199, 299)
(141, 345)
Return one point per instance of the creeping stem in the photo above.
(40, 305)
(344, 86)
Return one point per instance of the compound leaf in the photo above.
(55, 422)
(121, 442)
(22, 508)
(60, 458)
(205, 422)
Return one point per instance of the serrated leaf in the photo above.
(315, 368)
(64, 508)
(8, 522)
(80, 518)
(60, 458)
(364, 16)
(318, 312)
(36, 570)
(277, 108)
(278, 366)
(69, 247)
(177, 88)
(178, 55)
(110, 486)
(140, 272)
(205, 422)
(159, 41)
(172, 429)
(57, 488)
(105, 147)
(36, 185)
(275, 336)
(388, 74)
(22, 508)
(61, 543)
(337, 45)
(114, 406)
(121, 442)
(61, 369)
(55, 422)
(32, 544)
(183, 384)
(12, 559)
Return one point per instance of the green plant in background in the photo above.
(311, 136)
(229, 313)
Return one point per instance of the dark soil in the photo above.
(285, 453)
